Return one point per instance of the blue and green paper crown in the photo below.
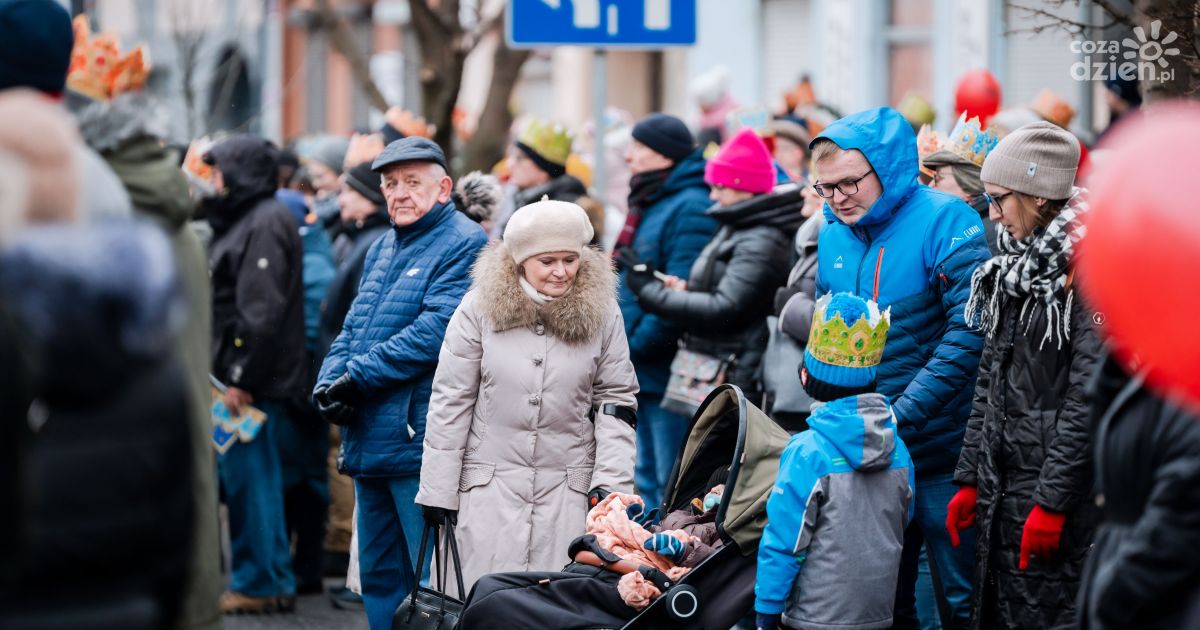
(846, 342)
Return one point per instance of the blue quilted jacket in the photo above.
(913, 251)
(673, 231)
(413, 279)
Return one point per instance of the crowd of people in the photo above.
(348, 347)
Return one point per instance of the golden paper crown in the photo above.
(407, 124)
(98, 70)
(551, 141)
(969, 141)
(856, 345)
(928, 143)
(916, 110)
(363, 147)
(1050, 106)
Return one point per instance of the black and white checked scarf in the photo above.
(1032, 270)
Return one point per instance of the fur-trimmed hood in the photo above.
(575, 318)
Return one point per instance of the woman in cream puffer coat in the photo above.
(533, 398)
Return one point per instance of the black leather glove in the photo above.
(596, 496)
(344, 390)
(436, 516)
(332, 411)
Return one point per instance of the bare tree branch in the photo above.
(342, 40)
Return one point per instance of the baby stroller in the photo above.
(726, 431)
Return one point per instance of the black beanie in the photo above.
(666, 135)
(35, 48)
(366, 183)
(823, 391)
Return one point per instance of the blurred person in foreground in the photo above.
(127, 126)
(104, 513)
(35, 52)
(378, 375)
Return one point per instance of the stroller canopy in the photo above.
(728, 430)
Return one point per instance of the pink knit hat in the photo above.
(743, 163)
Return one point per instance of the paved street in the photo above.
(313, 612)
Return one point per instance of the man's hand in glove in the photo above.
(345, 391)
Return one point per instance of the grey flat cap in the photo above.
(410, 149)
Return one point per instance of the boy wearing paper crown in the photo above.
(830, 554)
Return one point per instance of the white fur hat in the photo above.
(547, 226)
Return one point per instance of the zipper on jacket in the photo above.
(861, 261)
(878, 267)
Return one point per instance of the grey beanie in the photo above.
(547, 226)
(1039, 159)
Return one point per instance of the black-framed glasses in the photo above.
(847, 187)
(997, 200)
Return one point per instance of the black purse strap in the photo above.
(452, 543)
(412, 601)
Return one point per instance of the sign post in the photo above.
(601, 24)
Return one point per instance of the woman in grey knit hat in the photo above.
(1024, 473)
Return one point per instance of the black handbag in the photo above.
(426, 608)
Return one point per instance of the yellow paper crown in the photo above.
(857, 345)
(969, 141)
(551, 141)
(916, 110)
(98, 69)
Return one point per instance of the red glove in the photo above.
(1042, 530)
(960, 513)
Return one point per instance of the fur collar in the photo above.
(575, 318)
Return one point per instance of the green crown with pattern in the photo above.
(856, 345)
(550, 140)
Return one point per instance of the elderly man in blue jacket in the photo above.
(913, 249)
(378, 374)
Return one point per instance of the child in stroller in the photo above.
(700, 557)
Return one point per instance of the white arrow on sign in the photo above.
(656, 14)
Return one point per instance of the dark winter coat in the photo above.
(796, 301)
(353, 242)
(673, 230)
(913, 252)
(1027, 443)
(256, 262)
(1144, 569)
(732, 284)
(561, 188)
(413, 280)
(107, 511)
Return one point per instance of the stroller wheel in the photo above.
(683, 602)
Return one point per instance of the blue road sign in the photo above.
(601, 23)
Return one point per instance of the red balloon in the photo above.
(1138, 262)
(978, 94)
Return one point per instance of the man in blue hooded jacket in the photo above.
(913, 249)
(378, 375)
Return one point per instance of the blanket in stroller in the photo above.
(623, 536)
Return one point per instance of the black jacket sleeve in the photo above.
(264, 282)
(1158, 558)
(967, 471)
(750, 273)
(1067, 471)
